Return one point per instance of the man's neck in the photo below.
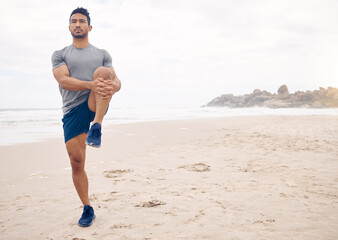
(80, 42)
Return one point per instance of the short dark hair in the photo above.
(82, 11)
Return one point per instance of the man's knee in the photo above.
(76, 161)
(103, 72)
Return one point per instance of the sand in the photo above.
(265, 177)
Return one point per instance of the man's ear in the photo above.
(90, 27)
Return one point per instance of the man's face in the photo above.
(78, 26)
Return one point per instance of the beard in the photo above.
(83, 35)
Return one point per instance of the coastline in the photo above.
(246, 177)
(36, 125)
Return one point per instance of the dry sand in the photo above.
(266, 177)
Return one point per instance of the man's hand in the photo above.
(104, 87)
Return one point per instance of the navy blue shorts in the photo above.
(77, 121)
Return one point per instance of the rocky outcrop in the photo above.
(322, 98)
(283, 92)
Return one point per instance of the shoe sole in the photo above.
(93, 145)
(83, 225)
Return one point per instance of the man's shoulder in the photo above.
(58, 57)
(63, 50)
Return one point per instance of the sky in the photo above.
(173, 53)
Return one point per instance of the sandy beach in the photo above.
(264, 177)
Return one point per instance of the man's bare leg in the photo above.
(76, 149)
(98, 102)
(101, 102)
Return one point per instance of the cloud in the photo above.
(200, 48)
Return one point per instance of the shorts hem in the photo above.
(75, 135)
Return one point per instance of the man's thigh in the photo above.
(76, 147)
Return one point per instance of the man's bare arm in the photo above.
(61, 74)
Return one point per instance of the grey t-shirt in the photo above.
(81, 63)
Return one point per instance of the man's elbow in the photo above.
(62, 82)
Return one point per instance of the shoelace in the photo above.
(85, 213)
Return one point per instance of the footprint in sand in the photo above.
(197, 167)
(115, 173)
(151, 203)
(36, 175)
(104, 197)
(270, 220)
(121, 225)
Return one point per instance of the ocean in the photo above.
(32, 125)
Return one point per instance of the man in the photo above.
(87, 82)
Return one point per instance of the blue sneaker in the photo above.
(94, 136)
(87, 216)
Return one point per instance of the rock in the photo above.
(266, 93)
(257, 92)
(299, 95)
(317, 104)
(277, 103)
(283, 92)
(322, 98)
(322, 92)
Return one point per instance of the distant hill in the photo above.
(322, 98)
